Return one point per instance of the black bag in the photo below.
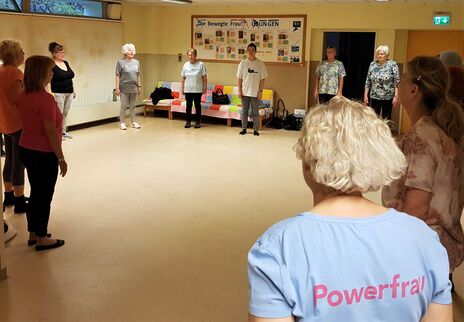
(160, 93)
(220, 98)
(293, 123)
(277, 121)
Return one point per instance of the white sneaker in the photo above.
(135, 125)
(122, 126)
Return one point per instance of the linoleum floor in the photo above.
(157, 223)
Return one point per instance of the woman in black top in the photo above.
(62, 84)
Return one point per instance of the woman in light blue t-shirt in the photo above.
(348, 259)
(194, 85)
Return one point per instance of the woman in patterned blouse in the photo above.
(433, 187)
(382, 79)
(329, 77)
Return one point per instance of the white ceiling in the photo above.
(241, 2)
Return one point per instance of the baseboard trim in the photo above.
(93, 123)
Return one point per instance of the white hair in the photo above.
(128, 47)
(383, 49)
(349, 148)
(450, 57)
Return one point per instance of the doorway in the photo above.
(356, 51)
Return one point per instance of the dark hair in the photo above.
(54, 47)
(36, 71)
(251, 44)
(432, 78)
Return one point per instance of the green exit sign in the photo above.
(441, 20)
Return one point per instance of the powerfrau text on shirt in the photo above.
(395, 289)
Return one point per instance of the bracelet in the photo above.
(61, 159)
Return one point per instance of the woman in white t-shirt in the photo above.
(194, 84)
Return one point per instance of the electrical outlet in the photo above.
(179, 57)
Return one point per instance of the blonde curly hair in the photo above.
(349, 148)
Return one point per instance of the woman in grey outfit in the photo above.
(128, 84)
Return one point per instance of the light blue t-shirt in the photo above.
(388, 267)
(193, 74)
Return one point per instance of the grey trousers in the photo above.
(246, 102)
(127, 101)
(64, 101)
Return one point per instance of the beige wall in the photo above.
(92, 49)
(161, 32)
(168, 30)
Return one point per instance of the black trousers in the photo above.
(193, 98)
(324, 98)
(383, 108)
(42, 171)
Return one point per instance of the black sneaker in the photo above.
(197, 125)
(187, 125)
(20, 205)
(255, 133)
(242, 132)
(9, 198)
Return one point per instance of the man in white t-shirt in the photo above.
(251, 74)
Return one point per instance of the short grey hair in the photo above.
(383, 49)
(128, 47)
(349, 148)
(450, 57)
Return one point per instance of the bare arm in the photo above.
(396, 102)
(117, 84)
(438, 313)
(340, 86)
(261, 87)
(366, 95)
(252, 318)
(240, 92)
(416, 203)
(205, 84)
(139, 84)
(316, 88)
(54, 140)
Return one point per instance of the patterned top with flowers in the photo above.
(382, 80)
(329, 75)
(435, 165)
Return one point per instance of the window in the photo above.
(79, 8)
(11, 5)
(68, 7)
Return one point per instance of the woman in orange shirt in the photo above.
(11, 84)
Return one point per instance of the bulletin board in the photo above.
(280, 39)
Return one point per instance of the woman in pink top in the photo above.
(433, 187)
(11, 83)
(40, 148)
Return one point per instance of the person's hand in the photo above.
(204, 89)
(339, 94)
(396, 102)
(316, 95)
(138, 90)
(74, 94)
(240, 94)
(260, 95)
(366, 101)
(118, 91)
(63, 167)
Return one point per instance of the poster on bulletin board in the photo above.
(280, 39)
